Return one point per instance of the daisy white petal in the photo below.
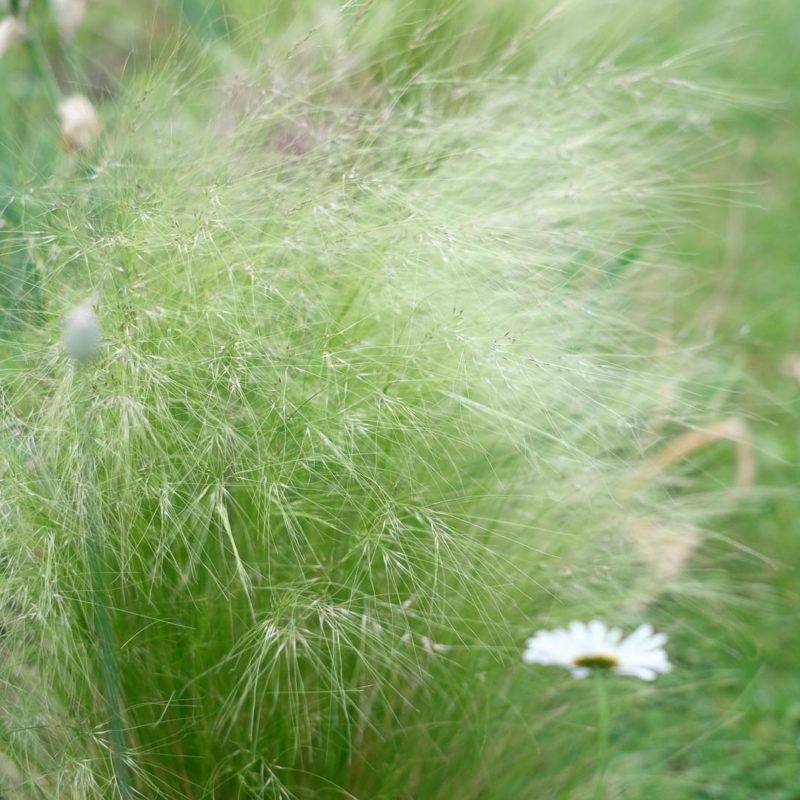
(581, 672)
(643, 673)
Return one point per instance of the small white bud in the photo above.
(432, 647)
(68, 15)
(11, 30)
(81, 334)
(80, 125)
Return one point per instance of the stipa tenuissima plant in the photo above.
(375, 378)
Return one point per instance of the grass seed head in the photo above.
(81, 333)
(12, 30)
(80, 125)
(68, 15)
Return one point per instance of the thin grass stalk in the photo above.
(41, 64)
(603, 733)
(100, 595)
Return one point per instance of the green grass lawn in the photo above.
(735, 733)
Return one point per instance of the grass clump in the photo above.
(376, 383)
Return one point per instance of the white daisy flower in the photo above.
(582, 648)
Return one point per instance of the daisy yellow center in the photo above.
(596, 661)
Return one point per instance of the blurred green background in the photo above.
(732, 729)
(744, 728)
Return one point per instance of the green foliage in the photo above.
(383, 290)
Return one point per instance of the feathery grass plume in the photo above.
(369, 406)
